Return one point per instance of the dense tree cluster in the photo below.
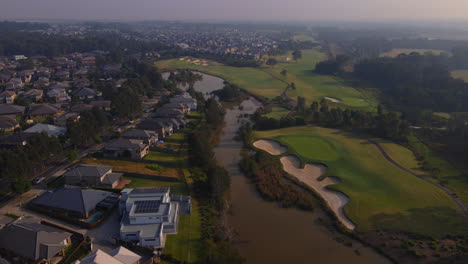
(333, 66)
(18, 163)
(229, 92)
(88, 129)
(211, 182)
(417, 81)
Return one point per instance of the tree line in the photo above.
(211, 181)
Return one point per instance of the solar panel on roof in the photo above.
(143, 207)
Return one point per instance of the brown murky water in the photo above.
(270, 234)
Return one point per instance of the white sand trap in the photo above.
(333, 99)
(361, 100)
(270, 146)
(309, 175)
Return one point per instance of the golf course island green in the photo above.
(268, 82)
(381, 195)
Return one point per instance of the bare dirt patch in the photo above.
(270, 146)
(333, 99)
(309, 175)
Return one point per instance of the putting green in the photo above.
(382, 196)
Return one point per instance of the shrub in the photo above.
(21, 185)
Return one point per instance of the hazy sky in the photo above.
(235, 9)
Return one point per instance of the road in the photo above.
(450, 193)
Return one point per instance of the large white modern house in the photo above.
(148, 214)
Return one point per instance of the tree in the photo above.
(284, 72)
(271, 62)
(297, 54)
(301, 104)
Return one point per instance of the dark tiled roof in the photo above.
(71, 199)
(88, 170)
(29, 238)
(11, 109)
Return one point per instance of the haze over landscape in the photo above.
(234, 131)
(269, 10)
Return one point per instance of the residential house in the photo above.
(149, 137)
(80, 74)
(44, 110)
(119, 255)
(92, 175)
(62, 75)
(16, 139)
(183, 107)
(88, 61)
(29, 238)
(15, 84)
(81, 83)
(19, 57)
(42, 82)
(7, 97)
(166, 112)
(80, 108)
(59, 95)
(84, 93)
(185, 98)
(35, 95)
(148, 214)
(163, 129)
(171, 121)
(104, 105)
(8, 123)
(126, 148)
(50, 130)
(16, 110)
(74, 202)
(63, 119)
(26, 75)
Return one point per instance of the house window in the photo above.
(152, 239)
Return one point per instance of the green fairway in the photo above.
(277, 113)
(395, 52)
(267, 81)
(313, 86)
(460, 74)
(253, 80)
(382, 196)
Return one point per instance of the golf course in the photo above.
(381, 195)
(267, 81)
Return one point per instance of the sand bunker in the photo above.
(270, 146)
(333, 99)
(309, 175)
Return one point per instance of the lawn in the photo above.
(253, 80)
(185, 245)
(381, 195)
(395, 52)
(132, 167)
(176, 187)
(314, 86)
(460, 74)
(277, 113)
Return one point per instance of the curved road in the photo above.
(450, 193)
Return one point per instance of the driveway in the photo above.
(105, 233)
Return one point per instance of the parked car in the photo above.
(38, 180)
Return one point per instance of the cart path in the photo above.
(447, 191)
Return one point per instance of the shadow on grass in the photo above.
(435, 222)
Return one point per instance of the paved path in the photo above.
(450, 193)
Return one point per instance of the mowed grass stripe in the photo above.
(378, 190)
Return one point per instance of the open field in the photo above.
(382, 196)
(313, 86)
(460, 74)
(268, 82)
(251, 79)
(395, 52)
(132, 167)
(277, 113)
